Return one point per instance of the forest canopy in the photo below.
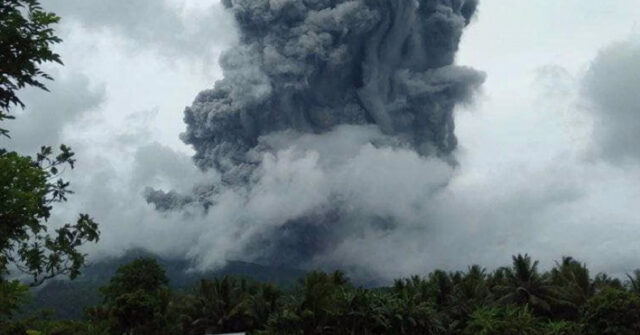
(518, 299)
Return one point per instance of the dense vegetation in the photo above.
(518, 299)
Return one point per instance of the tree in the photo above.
(603, 281)
(364, 312)
(25, 205)
(470, 292)
(222, 305)
(523, 285)
(26, 38)
(634, 282)
(314, 308)
(416, 303)
(571, 282)
(230, 304)
(143, 274)
(506, 320)
(261, 305)
(612, 311)
(30, 186)
(563, 328)
(12, 294)
(316, 303)
(408, 315)
(421, 290)
(137, 298)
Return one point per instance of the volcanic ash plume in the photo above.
(332, 123)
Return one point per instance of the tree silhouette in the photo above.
(523, 285)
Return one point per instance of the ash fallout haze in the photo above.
(385, 138)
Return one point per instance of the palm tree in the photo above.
(314, 308)
(416, 302)
(504, 320)
(220, 306)
(634, 282)
(572, 285)
(603, 281)
(363, 312)
(261, 305)
(442, 286)
(410, 315)
(470, 292)
(523, 285)
(414, 288)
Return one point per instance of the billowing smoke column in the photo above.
(325, 81)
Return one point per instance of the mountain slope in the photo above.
(70, 298)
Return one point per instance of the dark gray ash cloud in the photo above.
(312, 65)
(334, 120)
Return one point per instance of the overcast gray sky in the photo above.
(549, 152)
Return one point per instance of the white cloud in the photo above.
(48, 114)
(171, 28)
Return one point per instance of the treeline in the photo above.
(514, 300)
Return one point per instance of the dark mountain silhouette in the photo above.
(70, 298)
